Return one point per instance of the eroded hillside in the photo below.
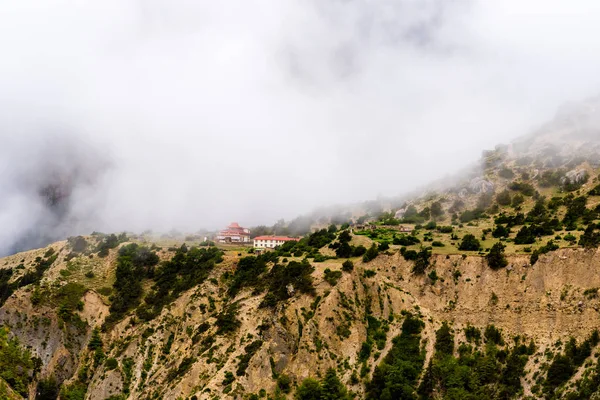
(252, 326)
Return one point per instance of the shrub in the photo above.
(111, 364)
(229, 378)
(348, 266)
(493, 335)
(384, 246)
(444, 341)
(344, 250)
(371, 254)
(595, 191)
(431, 225)
(227, 321)
(504, 198)
(469, 243)
(294, 274)
(109, 242)
(472, 334)
(409, 255)
(251, 349)
(406, 359)
(525, 188)
(332, 277)
(433, 276)
(310, 389)
(501, 231)
(284, 383)
(525, 236)
(16, 365)
(590, 238)
(570, 238)
(369, 273)
(406, 240)
(78, 244)
(470, 215)
(517, 201)
(445, 229)
(321, 238)
(422, 261)
(359, 251)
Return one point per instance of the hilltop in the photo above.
(493, 292)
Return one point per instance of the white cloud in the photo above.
(253, 110)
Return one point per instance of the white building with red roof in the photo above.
(234, 234)
(270, 242)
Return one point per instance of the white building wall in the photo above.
(269, 244)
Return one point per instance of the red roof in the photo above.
(234, 225)
(276, 238)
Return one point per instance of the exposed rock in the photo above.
(400, 213)
(575, 176)
(481, 186)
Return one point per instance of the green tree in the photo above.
(332, 387)
(95, 340)
(526, 235)
(397, 375)
(371, 254)
(47, 389)
(310, 389)
(590, 238)
(344, 237)
(518, 200)
(496, 258)
(469, 243)
(501, 231)
(284, 383)
(15, 363)
(444, 341)
(436, 210)
(503, 198)
(422, 259)
(348, 266)
(344, 251)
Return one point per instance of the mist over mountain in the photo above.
(178, 114)
(50, 190)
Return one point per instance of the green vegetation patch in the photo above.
(398, 374)
(16, 363)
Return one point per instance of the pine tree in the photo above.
(95, 341)
(333, 388)
(496, 258)
(310, 389)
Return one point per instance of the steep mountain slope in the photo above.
(208, 342)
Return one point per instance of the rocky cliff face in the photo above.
(180, 354)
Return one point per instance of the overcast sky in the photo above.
(193, 113)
